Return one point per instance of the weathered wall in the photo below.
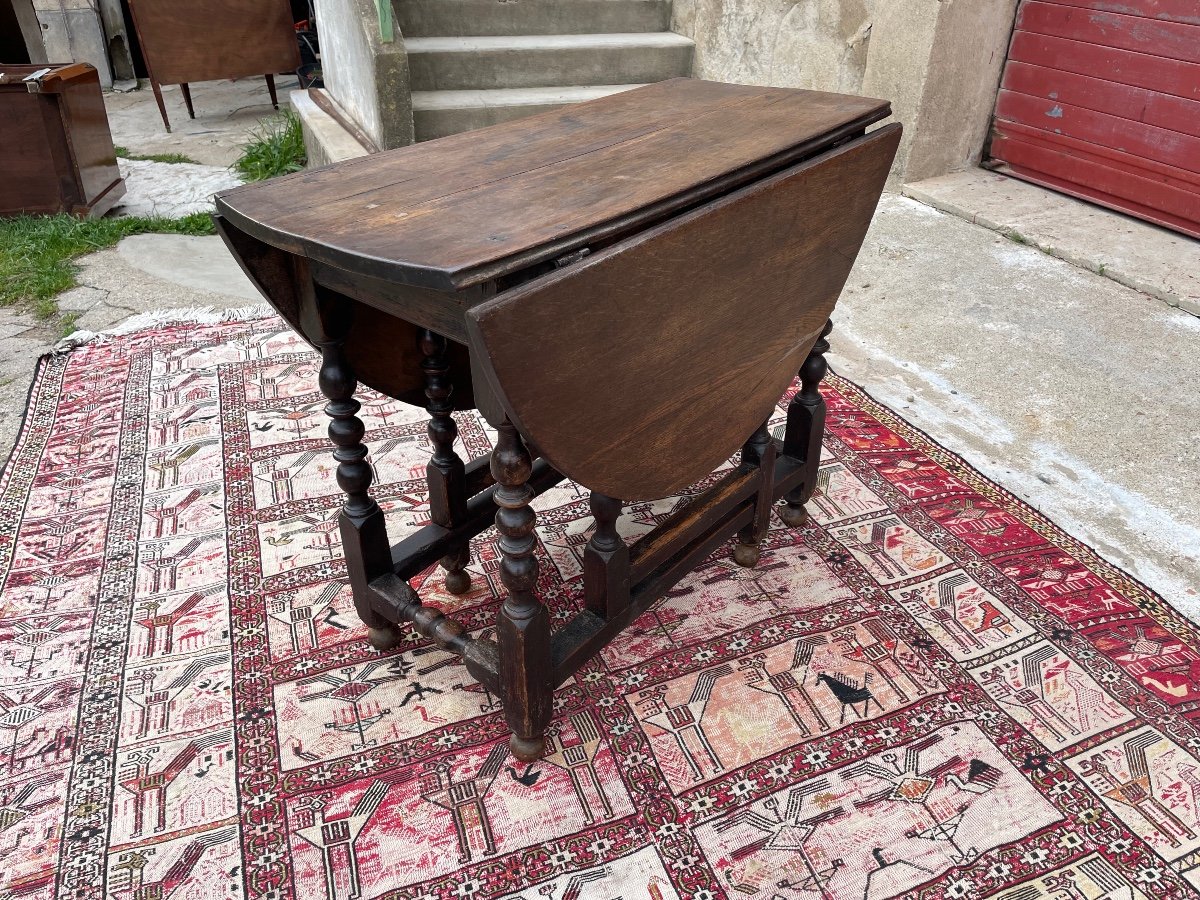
(963, 76)
(367, 77)
(937, 61)
(31, 30)
(817, 44)
(71, 32)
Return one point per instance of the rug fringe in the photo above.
(157, 318)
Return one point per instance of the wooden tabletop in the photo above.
(475, 206)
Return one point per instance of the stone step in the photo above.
(430, 18)
(439, 113)
(517, 61)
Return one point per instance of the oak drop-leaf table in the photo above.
(624, 289)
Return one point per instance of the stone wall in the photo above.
(937, 61)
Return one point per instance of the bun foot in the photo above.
(385, 638)
(527, 750)
(746, 555)
(792, 516)
(458, 581)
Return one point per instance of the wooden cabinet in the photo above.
(56, 152)
(206, 40)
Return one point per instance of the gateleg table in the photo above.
(624, 289)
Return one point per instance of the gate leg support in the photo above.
(805, 430)
(364, 532)
(759, 453)
(606, 561)
(523, 627)
(445, 472)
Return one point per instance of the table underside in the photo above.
(527, 660)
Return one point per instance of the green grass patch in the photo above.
(126, 153)
(36, 252)
(277, 148)
(66, 324)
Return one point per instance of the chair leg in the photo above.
(187, 99)
(805, 430)
(162, 107)
(523, 625)
(271, 90)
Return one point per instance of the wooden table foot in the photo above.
(384, 637)
(527, 749)
(793, 516)
(746, 555)
(458, 579)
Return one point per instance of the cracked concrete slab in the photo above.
(79, 299)
(172, 190)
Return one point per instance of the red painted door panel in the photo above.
(1101, 99)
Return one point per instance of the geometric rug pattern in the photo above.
(927, 691)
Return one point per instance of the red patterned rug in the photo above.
(927, 691)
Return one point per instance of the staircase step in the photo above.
(430, 18)
(439, 113)
(516, 61)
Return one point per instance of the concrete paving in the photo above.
(1072, 391)
(1145, 257)
(227, 113)
(170, 189)
(196, 263)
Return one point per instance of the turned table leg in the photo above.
(805, 429)
(606, 561)
(364, 532)
(445, 472)
(758, 452)
(523, 626)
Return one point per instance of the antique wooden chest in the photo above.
(56, 151)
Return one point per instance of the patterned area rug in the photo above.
(927, 691)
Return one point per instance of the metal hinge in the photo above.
(570, 258)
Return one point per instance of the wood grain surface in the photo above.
(479, 205)
(382, 346)
(55, 143)
(203, 40)
(641, 368)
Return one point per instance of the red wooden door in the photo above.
(1101, 100)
